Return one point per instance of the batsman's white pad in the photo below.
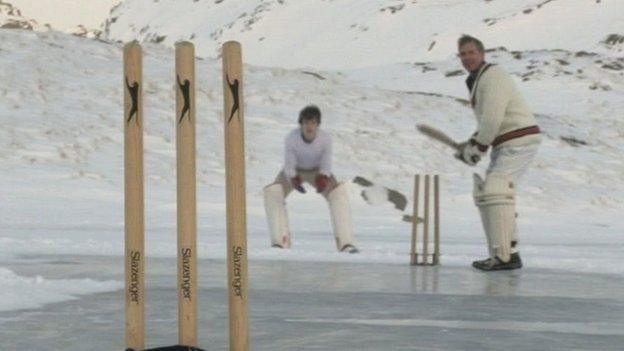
(338, 200)
(477, 191)
(276, 214)
(495, 198)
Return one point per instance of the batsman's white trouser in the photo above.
(512, 160)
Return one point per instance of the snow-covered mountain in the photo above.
(333, 34)
(349, 34)
(376, 68)
(12, 18)
(78, 17)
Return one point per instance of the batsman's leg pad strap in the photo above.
(497, 188)
(514, 236)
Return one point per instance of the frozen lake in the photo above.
(334, 306)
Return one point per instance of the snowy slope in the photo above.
(11, 18)
(349, 34)
(66, 15)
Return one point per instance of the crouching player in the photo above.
(308, 153)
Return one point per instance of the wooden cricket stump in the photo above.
(236, 215)
(133, 198)
(186, 199)
(422, 259)
(186, 193)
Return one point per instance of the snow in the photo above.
(61, 160)
(66, 15)
(33, 292)
(346, 34)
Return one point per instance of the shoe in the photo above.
(277, 246)
(497, 265)
(481, 263)
(350, 249)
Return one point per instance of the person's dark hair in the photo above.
(308, 113)
(465, 39)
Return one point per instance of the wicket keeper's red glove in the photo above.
(321, 181)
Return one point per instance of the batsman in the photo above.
(308, 159)
(506, 125)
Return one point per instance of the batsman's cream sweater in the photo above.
(500, 108)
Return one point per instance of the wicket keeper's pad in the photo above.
(276, 215)
(338, 200)
(495, 198)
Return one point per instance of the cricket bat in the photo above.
(437, 134)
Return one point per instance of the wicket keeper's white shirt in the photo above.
(307, 156)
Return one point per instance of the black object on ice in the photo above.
(172, 348)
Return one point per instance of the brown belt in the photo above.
(515, 134)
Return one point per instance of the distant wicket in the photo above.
(424, 261)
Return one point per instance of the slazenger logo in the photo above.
(185, 90)
(237, 281)
(133, 90)
(186, 273)
(135, 261)
(234, 90)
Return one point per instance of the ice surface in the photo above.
(337, 306)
